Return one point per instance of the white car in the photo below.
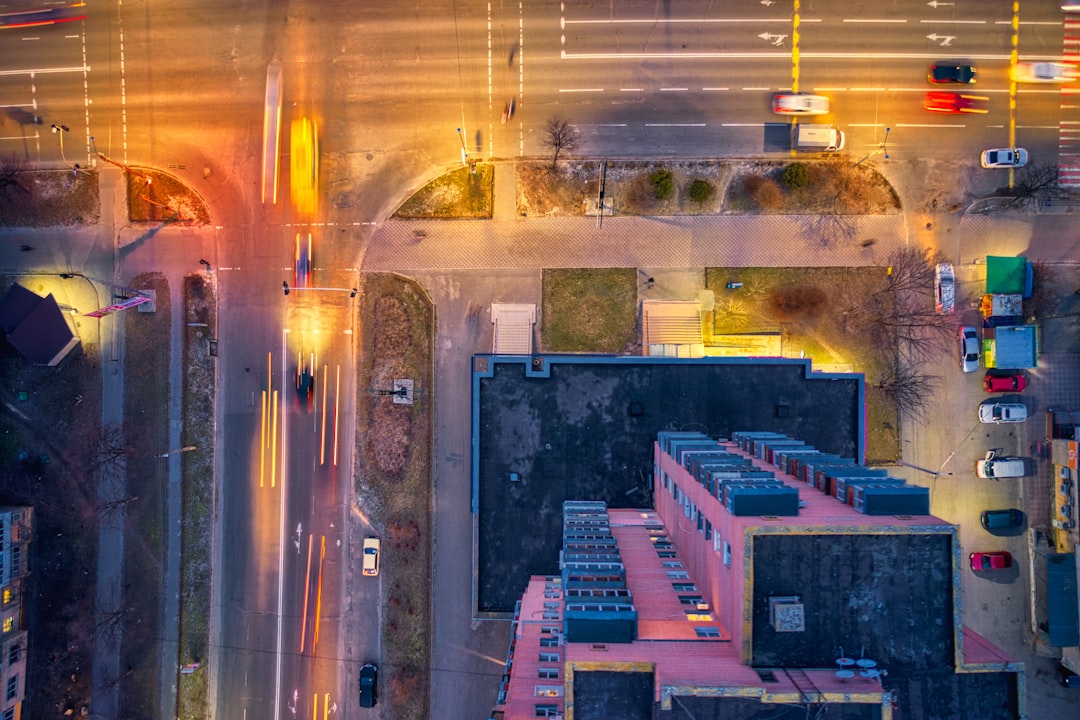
(1041, 72)
(799, 104)
(993, 413)
(944, 289)
(993, 466)
(372, 545)
(1004, 158)
(969, 348)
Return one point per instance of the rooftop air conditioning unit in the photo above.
(787, 614)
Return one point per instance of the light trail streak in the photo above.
(318, 597)
(307, 592)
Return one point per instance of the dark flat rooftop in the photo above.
(582, 428)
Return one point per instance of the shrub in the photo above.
(663, 184)
(700, 190)
(795, 176)
(768, 195)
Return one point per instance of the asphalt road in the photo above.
(398, 92)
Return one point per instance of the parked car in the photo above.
(1003, 158)
(369, 685)
(993, 412)
(996, 560)
(944, 289)
(1001, 519)
(799, 104)
(372, 546)
(1067, 677)
(948, 102)
(968, 341)
(947, 73)
(1006, 382)
(1041, 72)
(993, 466)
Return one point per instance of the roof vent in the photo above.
(786, 614)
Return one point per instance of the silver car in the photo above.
(1004, 158)
(992, 412)
(968, 341)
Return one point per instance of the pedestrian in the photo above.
(649, 283)
(26, 248)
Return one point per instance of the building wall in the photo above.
(15, 535)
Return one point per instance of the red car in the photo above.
(949, 102)
(997, 560)
(1012, 382)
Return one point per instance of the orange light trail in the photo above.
(273, 451)
(307, 590)
(318, 596)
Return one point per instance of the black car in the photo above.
(369, 685)
(1001, 519)
(951, 74)
(305, 387)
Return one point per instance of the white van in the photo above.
(825, 138)
(993, 467)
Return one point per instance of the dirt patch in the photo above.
(590, 310)
(48, 198)
(544, 190)
(835, 186)
(157, 196)
(467, 192)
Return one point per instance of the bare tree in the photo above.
(910, 387)
(1045, 291)
(1033, 184)
(105, 450)
(827, 226)
(11, 185)
(559, 135)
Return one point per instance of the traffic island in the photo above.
(156, 196)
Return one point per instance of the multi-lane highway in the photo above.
(395, 91)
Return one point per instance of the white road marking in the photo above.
(711, 89)
(674, 124)
(767, 55)
(631, 89)
(955, 22)
(927, 125)
(754, 125)
(580, 90)
(868, 20)
(663, 89)
(675, 21)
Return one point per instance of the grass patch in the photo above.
(157, 196)
(590, 310)
(808, 308)
(198, 494)
(457, 194)
(147, 340)
(48, 198)
(393, 476)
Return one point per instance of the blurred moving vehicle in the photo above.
(996, 560)
(369, 685)
(305, 384)
(968, 340)
(950, 74)
(304, 165)
(1008, 382)
(1003, 158)
(799, 104)
(944, 289)
(1001, 519)
(372, 546)
(302, 268)
(995, 413)
(949, 102)
(1041, 72)
(36, 17)
(508, 109)
(992, 467)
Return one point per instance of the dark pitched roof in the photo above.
(34, 325)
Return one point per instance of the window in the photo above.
(549, 657)
(551, 606)
(16, 560)
(708, 530)
(9, 714)
(547, 690)
(7, 595)
(684, 587)
(9, 623)
(707, 632)
(691, 599)
(551, 615)
(12, 687)
(549, 629)
(666, 553)
(698, 615)
(546, 710)
(727, 554)
(547, 673)
(672, 564)
(678, 574)
(13, 654)
(549, 642)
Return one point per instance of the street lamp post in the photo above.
(885, 145)
(177, 451)
(464, 150)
